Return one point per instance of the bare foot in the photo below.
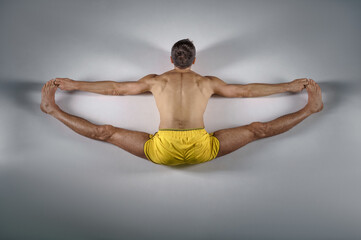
(315, 103)
(48, 104)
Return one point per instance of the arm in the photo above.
(108, 87)
(255, 89)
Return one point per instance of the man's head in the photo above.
(183, 54)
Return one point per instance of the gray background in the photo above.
(303, 184)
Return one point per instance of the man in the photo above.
(181, 96)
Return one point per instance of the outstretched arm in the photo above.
(255, 89)
(107, 87)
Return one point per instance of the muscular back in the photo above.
(181, 98)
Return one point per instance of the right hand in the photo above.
(66, 84)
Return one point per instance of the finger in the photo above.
(304, 82)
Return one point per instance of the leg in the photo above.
(130, 141)
(234, 138)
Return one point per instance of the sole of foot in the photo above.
(315, 103)
(48, 97)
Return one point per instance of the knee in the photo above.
(104, 132)
(258, 129)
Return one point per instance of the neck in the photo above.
(182, 70)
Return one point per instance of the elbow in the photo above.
(238, 91)
(116, 92)
(117, 89)
(245, 92)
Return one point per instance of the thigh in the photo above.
(131, 141)
(231, 139)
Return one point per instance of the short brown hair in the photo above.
(183, 53)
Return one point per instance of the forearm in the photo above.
(101, 87)
(263, 89)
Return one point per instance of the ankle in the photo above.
(55, 110)
(307, 110)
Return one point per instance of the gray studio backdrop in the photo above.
(303, 184)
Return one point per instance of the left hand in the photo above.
(298, 85)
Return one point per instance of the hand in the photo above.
(66, 84)
(298, 85)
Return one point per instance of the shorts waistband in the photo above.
(181, 130)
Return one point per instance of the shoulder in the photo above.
(149, 79)
(216, 84)
(153, 82)
(214, 81)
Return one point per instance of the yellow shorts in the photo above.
(181, 146)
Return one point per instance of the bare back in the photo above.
(181, 98)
